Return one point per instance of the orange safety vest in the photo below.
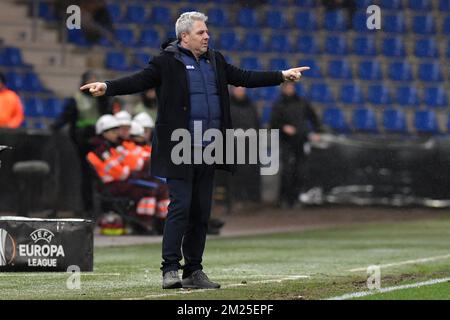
(109, 169)
(11, 109)
(131, 155)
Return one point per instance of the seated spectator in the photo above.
(151, 198)
(146, 121)
(11, 109)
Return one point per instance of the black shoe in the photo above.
(199, 280)
(171, 280)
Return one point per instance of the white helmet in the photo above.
(124, 118)
(106, 122)
(144, 119)
(136, 129)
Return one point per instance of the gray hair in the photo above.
(186, 21)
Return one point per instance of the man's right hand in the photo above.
(97, 89)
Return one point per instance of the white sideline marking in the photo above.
(232, 285)
(447, 256)
(388, 289)
(37, 274)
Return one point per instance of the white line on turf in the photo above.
(400, 263)
(232, 285)
(18, 274)
(389, 289)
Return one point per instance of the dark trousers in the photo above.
(187, 220)
(292, 161)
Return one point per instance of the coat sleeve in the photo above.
(251, 79)
(149, 77)
(312, 117)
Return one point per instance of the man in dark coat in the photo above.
(191, 84)
(295, 118)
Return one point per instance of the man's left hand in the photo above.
(293, 74)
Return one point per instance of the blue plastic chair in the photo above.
(394, 23)
(278, 64)
(364, 119)
(279, 43)
(306, 44)
(115, 12)
(52, 108)
(339, 69)
(32, 83)
(275, 20)
(420, 5)
(305, 21)
(379, 94)
(321, 92)
(135, 14)
(217, 17)
(351, 94)
(336, 45)
(444, 5)
(430, 71)
(251, 63)
(15, 81)
(34, 107)
(435, 97)
(364, 46)
(335, 21)
(116, 61)
(228, 41)
(400, 71)
(393, 47)
(425, 121)
(391, 4)
(160, 15)
(253, 42)
(424, 24)
(315, 71)
(394, 121)
(13, 56)
(126, 37)
(407, 96)
(370, 70)
(247, 18)
(335, 119)
(426, 48)
(149, 38)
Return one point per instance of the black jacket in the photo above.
(167, 73)
(295, 111)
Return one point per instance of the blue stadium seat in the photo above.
(394, 121)
(360, 22)
(394, 23)
(253, 42)
(420, 5)
(34, 107)
(315, 71)
(448, 49)
(426, 48)
(52, 108)
(300, 89)
(13, 57)
(32, 83)
(435, 97)
(126, 37)
(448, 123)
(149, 38)
(114, 12)
(116, 61)
(135, 14)
(363, 3)
(160, 15)
(424, 24)
(364, 119)
(351, 94)
(305, 21)
(391, 4)
(320, 92)
(425, 121)
(46, 12)
(430, 71)
(393, 47)
(339, 69)
(336, 45)
(275, 20)
(400, 71)
(407, 96)
(335, 21)
(364, 46)
(251, 63)
(141, 59)
(379, 94)
(307, 45)
(305, 3)
(77, 37)
(228, 41)
(370, 70)
(444, 5)
(278, 64)
(217, 17)
(268, 94)
(279, 43)
(247, 18)
(335, 119)
(446, 26)
(14, 81)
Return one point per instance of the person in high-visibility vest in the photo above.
(11, 109)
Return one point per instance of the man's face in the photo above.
(112, 135)
(124, 132)
(197, 39)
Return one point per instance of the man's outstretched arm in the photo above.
(148, 78)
